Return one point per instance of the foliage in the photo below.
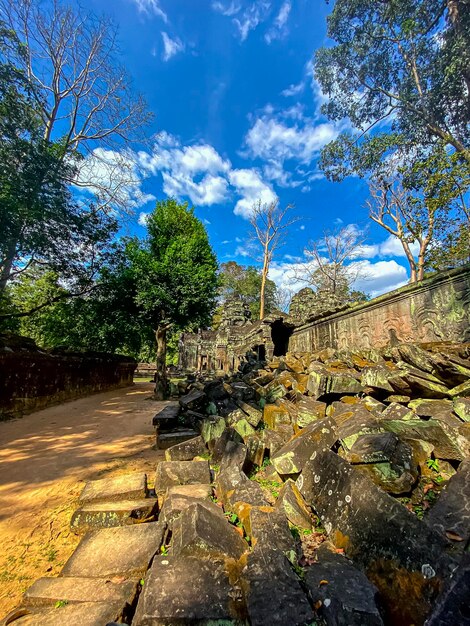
(402, 68)
(244, 282)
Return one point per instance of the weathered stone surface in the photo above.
(452, 606)
(234, 455)
(244, 428)
(187, 450)
(211, 429)
(377, 377)
(366, 522)
(84, 614)
(426, 407)
(176, 503)
(195, 400)
(373, 405)
(171, 473)
(125, 487)
(451, 513)
(346, 596)
(48, 591)
(202, 491)
(253, 415)
(273, 440)
(461, 390)
(448, 443)
(205, 595)
(274, 595)
(228, 434)
(268, 528)
(396, 411)
(167, 417)
(291, 458)
(125, 551)
(385, 459)
(165, 440)
(323, 381)
(110, 514)
(397, 398)
(233, 487)
(255, 450)
(202, 532)
(274, 415)
(352, 424)
(462, 408)
(291, 501)
(309, 410)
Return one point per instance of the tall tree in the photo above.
(244, 282)
(400, 68)
(270, 224)
(175, 276)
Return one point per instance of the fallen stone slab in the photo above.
(291, 458)
(323, 381)
(123, 551)
(165, 440)
(176, 503)
(167, 417)
(448, 443)
(276, 414)
(186, 450)
(452, 606)
(83, 614)
(253, 414)
(202, 532)
(427, 407)
(274, 595)
(211, 429)
(195, 400)
(365, 521)
(343, 593)
(450, 515)
(171, 473)
(244, 428)
(234, 455)
(125, 487)
(268, 527)
(110, 514)
(292, 503)
(309, 410)
(49, 591)
(396, 411)
(204, 594)
(462, 408)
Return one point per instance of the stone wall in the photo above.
(31, 379)
(437, 309)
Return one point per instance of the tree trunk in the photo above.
(264, 276)
(161, 380)
(7, 265)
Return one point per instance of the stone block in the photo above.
(253, 414)
(450, 515)
(425, 407)
(125, 487)
(176, 503)
(274, 595)
(234, 487)
(396, 411)
(204, 594)
(268, 527)
(234, 455)
(255, 450)
(452, 605)
(291, 458)
(366, 522)
(447, 442)
(186, 450)
(323, 381)
(124, 551)
(171, 473)
(83, 614)
(273, 415)
(48, 591)
(292, 503)
(109, 514)
(244, 428)
(204, 533)
(228, 434)
(195, 400)
(273, 440)
(211, 430)
(462, 408)
(345, 595)
(172, 438)
(167, 418)
(309, 410)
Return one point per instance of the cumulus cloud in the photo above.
(252, 188)
(114, 178)
(171, 47)
(151, 7)
(278, 28)
(388, 248)
(293, 90)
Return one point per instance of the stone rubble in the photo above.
(318, 488)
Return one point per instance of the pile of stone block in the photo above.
(321, 488)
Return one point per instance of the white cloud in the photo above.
(278, 29)
(251, 17)
(171, 46)
(293, 90)
(249, 184)
(230, 9)
(242, 251)
(143, 219)
(115, 178)
(387, 248)
(151, 6)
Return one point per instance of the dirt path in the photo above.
(45, 458)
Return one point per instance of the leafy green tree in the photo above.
(400, 68)
(175, 276)
(244, 282)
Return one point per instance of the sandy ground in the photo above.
(45, 459)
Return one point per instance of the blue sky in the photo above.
(237, 119)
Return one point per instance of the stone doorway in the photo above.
(280, 335)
